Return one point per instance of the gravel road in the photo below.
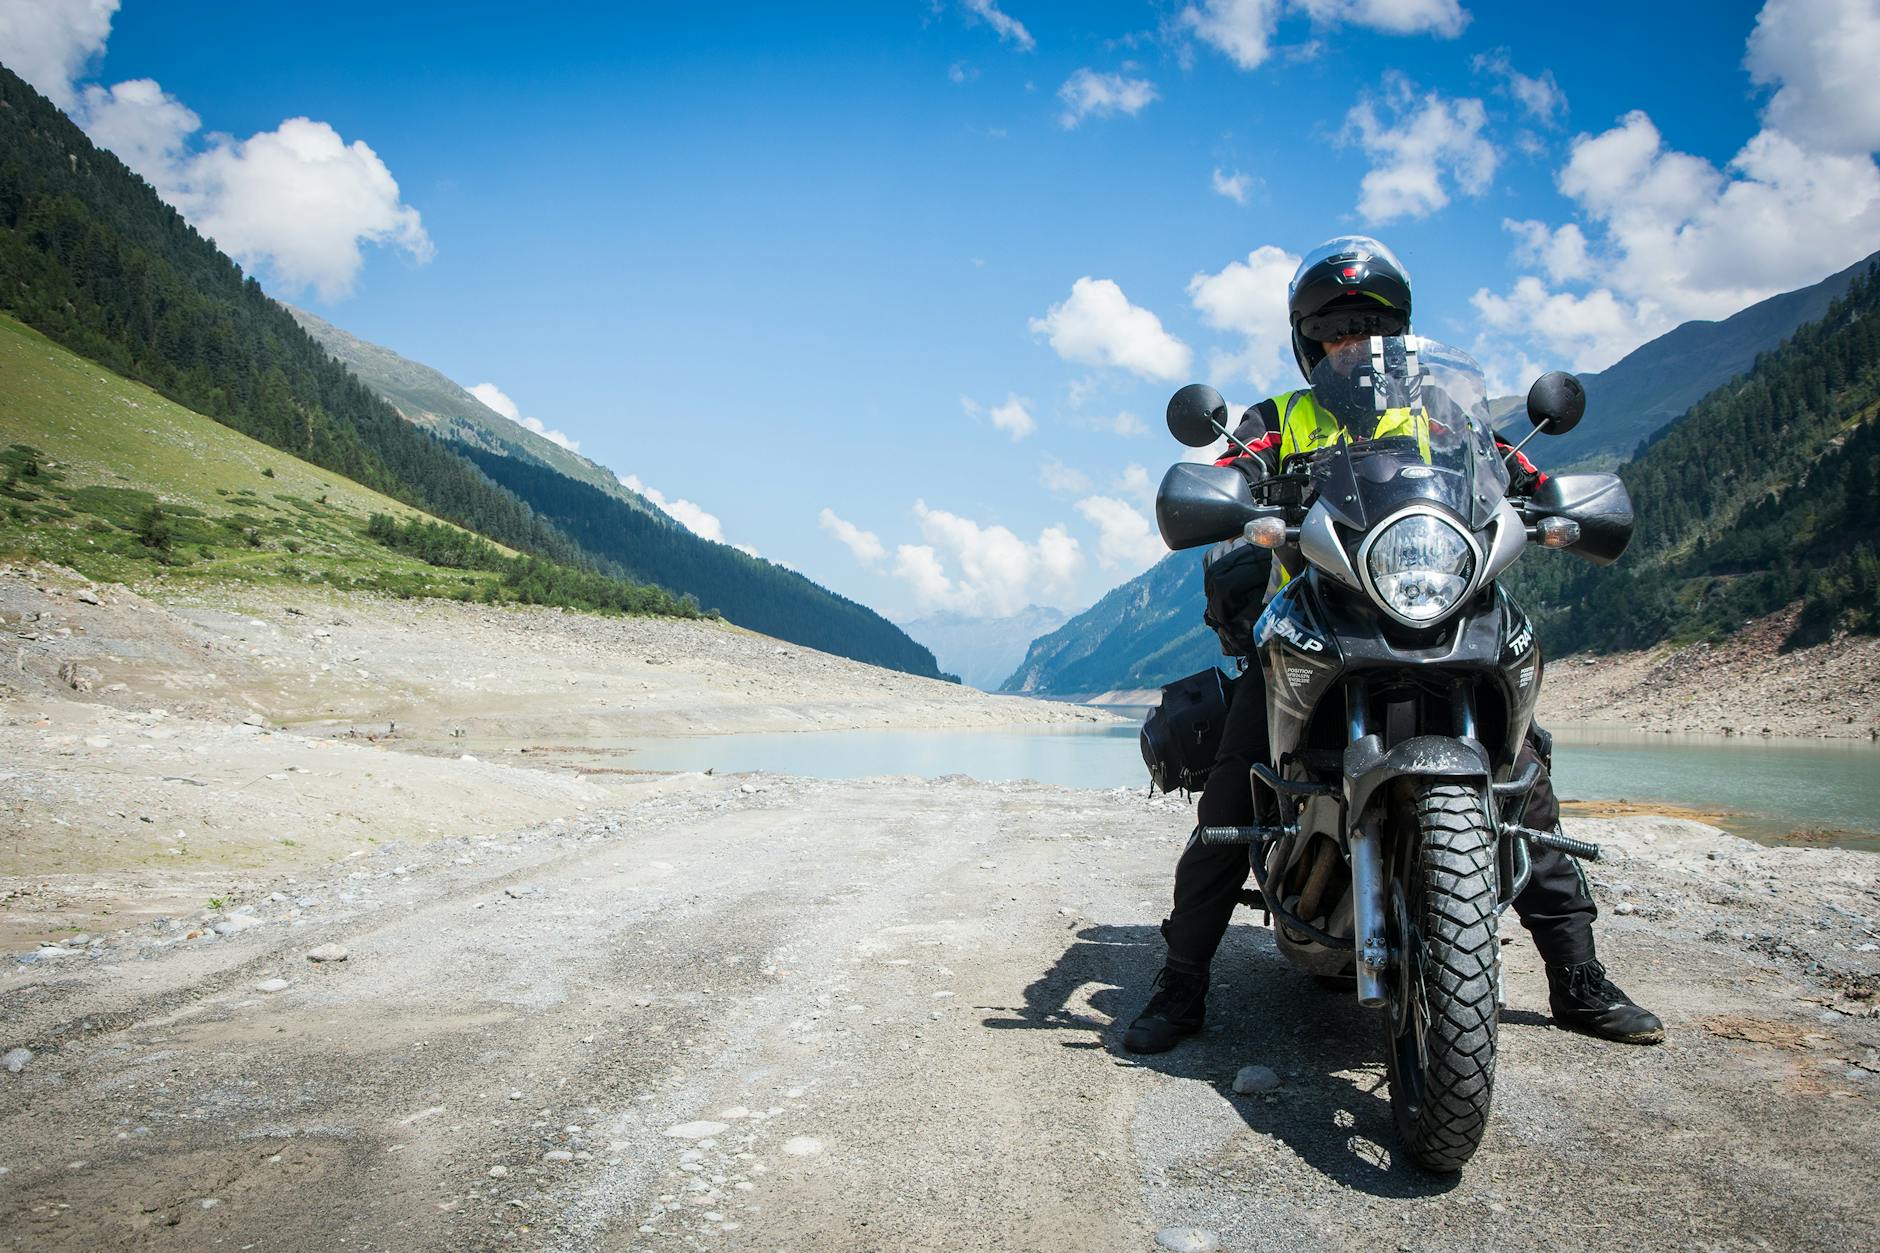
(792, 1014)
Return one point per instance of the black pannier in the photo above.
(1181, 735)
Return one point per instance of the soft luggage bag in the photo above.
(1181, 736)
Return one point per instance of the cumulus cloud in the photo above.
(1097, 325)
(1234, 186)
(1419, 146)
(1123, 423)
(688, 515)
(1010, 29)
(1540, 97)
(49, 43)
(866, 546)
(297, 201)
(1820, 56)
(1665, 236)
(1126, 543)
(1058, 477)
(1243, 30)
(985, 570)
(1248, 298)
(1088, 93)
(494, 398)
(1012, 415)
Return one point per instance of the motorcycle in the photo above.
(1401, 681)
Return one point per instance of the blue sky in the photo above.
(895, 293)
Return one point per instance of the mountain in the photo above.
(1630, 401)
(983, 651)
(93, 259)
(1758, 496)
(429, 400)
(1141, 635)
(102, 474)
(1763, 495)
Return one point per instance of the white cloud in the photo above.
(1243, 29)
(1561, 251)
(1234, 186)
(1249, 298)
(866, 546)
(1058, 477)
(1539, 96)
(1087, 93)
(494, 398)
(1428, 143)
(1010, 29)
(50, 42)
(1012, 415)
(1667, 236)
(298, 199)
(1124, 423)
(684, 512)
(1442, 18)
(1135, 481)
(1125, 540)
(997, 572)
(1099, 326)
(1820, 55)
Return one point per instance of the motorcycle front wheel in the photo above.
(1441, 994)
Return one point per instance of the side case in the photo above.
(1181, 736)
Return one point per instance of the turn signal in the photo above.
(1557, 532)
(1267, 532)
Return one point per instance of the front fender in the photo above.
(1369, 767)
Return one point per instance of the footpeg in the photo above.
(1562, 843)
(1244, 835)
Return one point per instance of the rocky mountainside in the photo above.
(1140, 635)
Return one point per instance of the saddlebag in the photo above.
(1181, 735)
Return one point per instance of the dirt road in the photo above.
(773, 1013)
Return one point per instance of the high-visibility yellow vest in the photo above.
(1305, 425)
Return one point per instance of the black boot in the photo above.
(1173, 1014)
(1583, 997)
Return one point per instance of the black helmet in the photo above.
(1351, 285)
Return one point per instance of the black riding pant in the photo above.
(1555, 907)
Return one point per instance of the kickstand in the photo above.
(1251, 898)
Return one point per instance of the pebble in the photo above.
(271, 985)
(520, 890)
(558, 1155)
(237, 922)
(1253, 1079)
(327, 953)
(499, 1172)
(1187, 1240)
(1625, 907)
(802, 1146)
(15, 1060)
(86, 595)
(696, 1130)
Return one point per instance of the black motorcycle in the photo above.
(1401, 680)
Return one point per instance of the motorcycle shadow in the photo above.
(1333, 1105)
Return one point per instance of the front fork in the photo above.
(1368, 922)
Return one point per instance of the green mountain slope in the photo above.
(429, 400)
(1145, 633)
(1763, 494)
(104, 475)
(1656, 383)
(91, 257)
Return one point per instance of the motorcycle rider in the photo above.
(1345, 292)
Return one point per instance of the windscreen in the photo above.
(1400, 420)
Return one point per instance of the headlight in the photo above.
(1420, 566)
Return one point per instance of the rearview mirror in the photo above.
(1197, 415)
(1556, 402)
(1202, 504)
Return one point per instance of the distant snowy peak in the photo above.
(983, 651)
